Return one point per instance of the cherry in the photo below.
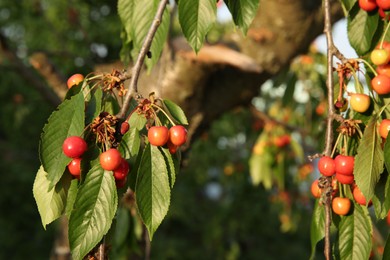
(360, 102)
(171, 147)
(110, 159)
(74, 167)
(384, 128)
(74, 80)
(120, 183)
(326, 166)
(158, 135)
(383, 70)
(383, 4)
(380, 56)
(358, 196)
(368, 5)
(344, 164)
(283, 140)
(341, 206)
(381, 84)
(315, 190)
(124, 127)
(344, 179)
(122, 170)
(74, 146)
(178, 135)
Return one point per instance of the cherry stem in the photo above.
(133, 89)
(358, 85)
(165, 113)
(384, 35)
(368, 65)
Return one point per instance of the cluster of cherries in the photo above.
(380, 57)
(111, 160)
(381, 6)
(173, 137)
(341, 170)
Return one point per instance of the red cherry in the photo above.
(381, 84)
(315, 190)
(384, 4)
(158, 135)
(74, 80)
(110, 159)
(122, 171)
(383, 70)
(368, 5)
(384, 128)
(344, 164)
(124, 127)
(344, 179)
(358, 196)
(120, 183)
(341, 206)
(178, 135)
(74, 146)
(74, 167)
(171, 147)
(326, 166)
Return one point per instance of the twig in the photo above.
(102, 253)
(331, 51)
(133, 88)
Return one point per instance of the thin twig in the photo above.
(102, 253)
(133, 88)
(331, 51)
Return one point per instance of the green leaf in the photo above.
(348, 4)
(386, 150)
(196, 19)
(386, 252)
(260, 169)
(175, 111)
(379, 201)
(143, 13)
(288, 96)
(243, 12)
(152, 191)
(72, 194)
(362, 26)
(355, 234)
(94, 106)
(50, 200)
(369, 160)
(170, 165)
(137, 121)
(125, 12)
(68, 120)
(94, 210)
(130, 143)
(317, 229)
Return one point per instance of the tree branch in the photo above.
(331, 51)
(28, 74)
(133, 88)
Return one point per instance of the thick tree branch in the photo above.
(27, 73)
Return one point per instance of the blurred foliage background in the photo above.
(216, 210)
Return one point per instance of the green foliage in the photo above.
(355, 234)
(152, 188)
(369, 160)
(137, 17)
(362, 27)
(93, 211)
(67, 121)
(196, 18)
(243, 12)
(175, 111)
(317, 231)
(51, 201)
